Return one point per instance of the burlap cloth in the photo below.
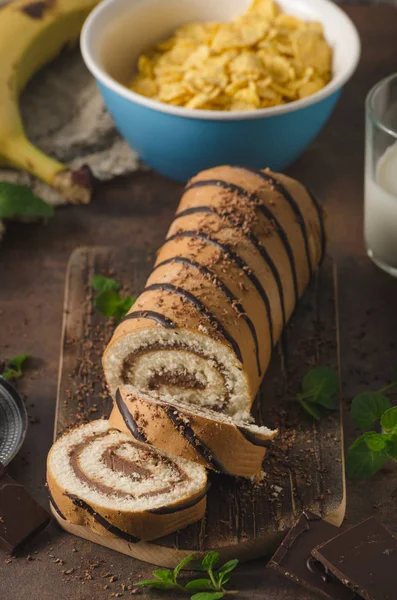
(65, 117)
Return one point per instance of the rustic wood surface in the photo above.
(135, 213)
(243, 520)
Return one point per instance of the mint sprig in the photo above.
(108, 301)
(211, 588)
(13, 367)
(373, 449)
(19, 202)
(320, 387)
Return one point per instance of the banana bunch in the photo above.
(32, 33)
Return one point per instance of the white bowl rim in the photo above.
(334, 85)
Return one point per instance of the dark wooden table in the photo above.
(136, 211)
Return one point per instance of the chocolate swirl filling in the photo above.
(119, 464)
(179, 381)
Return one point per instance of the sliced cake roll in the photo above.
(239, 254)
(217, 441)
(117, 486)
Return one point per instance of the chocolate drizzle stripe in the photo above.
(265, 210)
(226, 249)
(194, 210)
(199, 446)
(254, 241)
(169, 510)
(251, 437)
(102, 521)
(226, 291)
(129, 420)
(55, 505)
(150, 314)
(282, 190)
(189, 297)
(320, 214)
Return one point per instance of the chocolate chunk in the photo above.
(294, 560)
(21, 517)
(363, 558)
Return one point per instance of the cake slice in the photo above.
(215, 440)
(117, 486)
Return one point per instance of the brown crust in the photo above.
(237, 217)
(226, 443)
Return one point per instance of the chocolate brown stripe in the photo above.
(282, 190)
(129, 420)
(150, 314)
(251, 437)
(223, 287)
(320, 214)
(55, 505)
(254, 241)
(265, 210)
(169, 510)
(226, 249)
(174, 289)
(200, 447)
(102, 521)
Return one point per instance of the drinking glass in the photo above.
(380, 204)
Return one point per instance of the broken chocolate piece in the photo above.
(363, 558)
(21, 517)
(294, 560)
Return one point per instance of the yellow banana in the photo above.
(32, 33)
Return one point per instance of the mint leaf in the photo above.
(376, 442)
(199, 584)
(164, 575)
(210, 560)
(182, 564)
(125, 305)
(13, 368)
(388, 420)
(107, 303)
(100, 283)
(18, 201)
(361, 461)
(328, 402)
(227, 567)
(310, 408)
(367, 408)
(391, 447)
(224, 579)
(156, 583)
(207, 596)
(321, 382)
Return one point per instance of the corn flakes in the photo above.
(261, 59)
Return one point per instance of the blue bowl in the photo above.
(179, 142)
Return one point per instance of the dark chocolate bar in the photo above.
(363, 558)
(294, 560)
(21, 517)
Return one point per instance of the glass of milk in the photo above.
(380, 211)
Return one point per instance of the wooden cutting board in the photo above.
(303, 469)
